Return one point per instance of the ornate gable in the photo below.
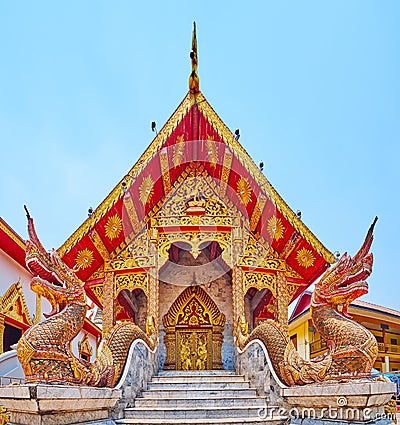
(162, 191)
(13, 305)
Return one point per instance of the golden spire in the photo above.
(194, 82)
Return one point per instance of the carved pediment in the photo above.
(13, 304)
(194, 201)
(193, 307)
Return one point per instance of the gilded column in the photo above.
(2, 326)
(237, 277)
(153, 304)
(153, 308)
(38, 313)
(281, 300)
(108, 304)
(238, 294)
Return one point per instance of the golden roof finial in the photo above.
(194, 82)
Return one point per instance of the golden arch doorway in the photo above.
(193, 332)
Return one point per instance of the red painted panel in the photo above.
(70, 258)
(112, 240)
(306, 261)
(11, 248)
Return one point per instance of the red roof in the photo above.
(182, 143)
(378, 308)
(11, 243)
(303, 305)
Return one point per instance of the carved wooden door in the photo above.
(194, 349)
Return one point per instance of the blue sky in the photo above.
(313, 86)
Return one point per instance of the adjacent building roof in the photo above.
(303, 307)
(11, 243)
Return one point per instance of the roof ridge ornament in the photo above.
(194, 81)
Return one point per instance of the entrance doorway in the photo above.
(195, 351)
(193, 327)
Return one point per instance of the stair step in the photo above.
(200, 398)
(254, 412)
(236, 385)
(205, 402)
(179, 379)
(208, 372)
(199, 393)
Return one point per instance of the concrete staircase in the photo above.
(200, 398)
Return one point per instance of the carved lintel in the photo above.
(129, 264)
(131, 281)
(260, 281)
(195, 239)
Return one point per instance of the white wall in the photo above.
(10, 272)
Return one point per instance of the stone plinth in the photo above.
(39, 404)
(349, 402)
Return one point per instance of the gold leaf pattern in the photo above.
(305, 257)
(212, 151)
(113, 227)
(243, 189)
(146, 190)
(275, 228)
(178, 151)
(84, 259)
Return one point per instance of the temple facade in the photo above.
(187, 260)
(195, 241)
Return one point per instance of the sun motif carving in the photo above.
(113, 227)
(178, 151)
(305, 257)
(275, 228)
(146, 190)
(84, 259)
(243, 189)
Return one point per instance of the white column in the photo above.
(387, 364)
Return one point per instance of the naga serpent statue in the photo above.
(44, 350)
(352, 349)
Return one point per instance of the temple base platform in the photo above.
(39, 404)
(339, 403)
